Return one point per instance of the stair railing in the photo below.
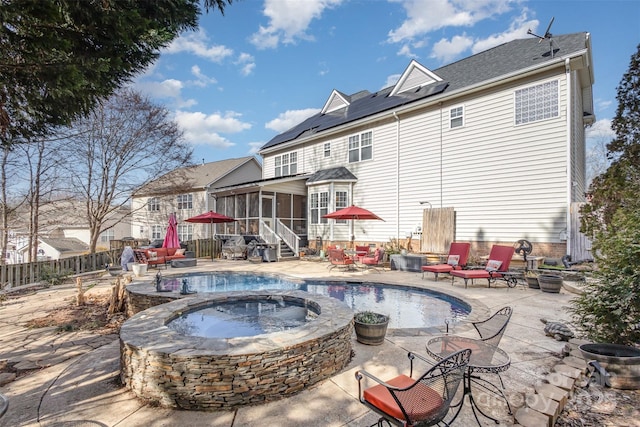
(269, 236)
(287, 235)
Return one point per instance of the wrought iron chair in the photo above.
(491, 331)
(373, 261)
(425, 401)
(337, 258)
(456, 260)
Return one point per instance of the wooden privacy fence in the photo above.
(33, 272)
(580, 243)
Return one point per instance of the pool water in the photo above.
(407, 307)
(242, 319)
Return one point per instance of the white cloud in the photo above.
(247, 63)
(202, 80)
(254, 147)
(448, 50)
(603, 104)
(166, 89)
(405, 50)
(425, 16)
(392, 80)
(196, 43)
(202, 129)
(601, 129)
(517, 30)
(289, 21)
(289, 119)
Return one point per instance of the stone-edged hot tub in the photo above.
(163, 366)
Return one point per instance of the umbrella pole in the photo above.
(211, 240)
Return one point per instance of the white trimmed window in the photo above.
(327, 149)
(456, 117)
(156, 232)
(341, 203)
(185, 201)
(537, 103)
(360, 147)
(319, 206)
(286, 164)
(153, 204)
(107, 235)
(185, 232)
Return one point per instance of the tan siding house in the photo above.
(186, 192)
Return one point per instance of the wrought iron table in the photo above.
(485, 358)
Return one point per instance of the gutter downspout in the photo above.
(567, 65)
(441, 125)
(395, 116)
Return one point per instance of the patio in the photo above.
(80, 384)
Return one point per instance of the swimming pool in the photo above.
(408, 307)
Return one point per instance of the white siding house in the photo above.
(186, 192)
(498, 137)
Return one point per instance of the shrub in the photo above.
(609, 308)
(370, 317)
(53, 277)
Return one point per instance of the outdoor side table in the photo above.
(485, 358)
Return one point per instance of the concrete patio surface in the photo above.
(78, 380)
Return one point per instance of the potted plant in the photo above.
(370, 327)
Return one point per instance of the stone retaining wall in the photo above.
(164, 367)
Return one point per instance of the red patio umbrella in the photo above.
(171, 239)
(352, 212)
(210, 217)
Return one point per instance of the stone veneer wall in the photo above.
(166, 368)
(140, 301)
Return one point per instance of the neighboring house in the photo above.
(496, 140)
(60, 220)
(186, 191)
(50, 248)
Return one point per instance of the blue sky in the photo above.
(266, 65)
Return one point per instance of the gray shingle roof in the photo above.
(333, 174)
(194, 177)
(502, 60)
(66, 244)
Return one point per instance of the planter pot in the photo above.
(370, 333)
(550, 283)
(139, 269)
(533, 282)
(621, 362)
(114, 271)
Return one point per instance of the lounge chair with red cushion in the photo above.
(498, 262)
(456, 260)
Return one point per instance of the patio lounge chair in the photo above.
(456, 260)
(498, 262)
(337, 258)
(373, 261)
(425, 401)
